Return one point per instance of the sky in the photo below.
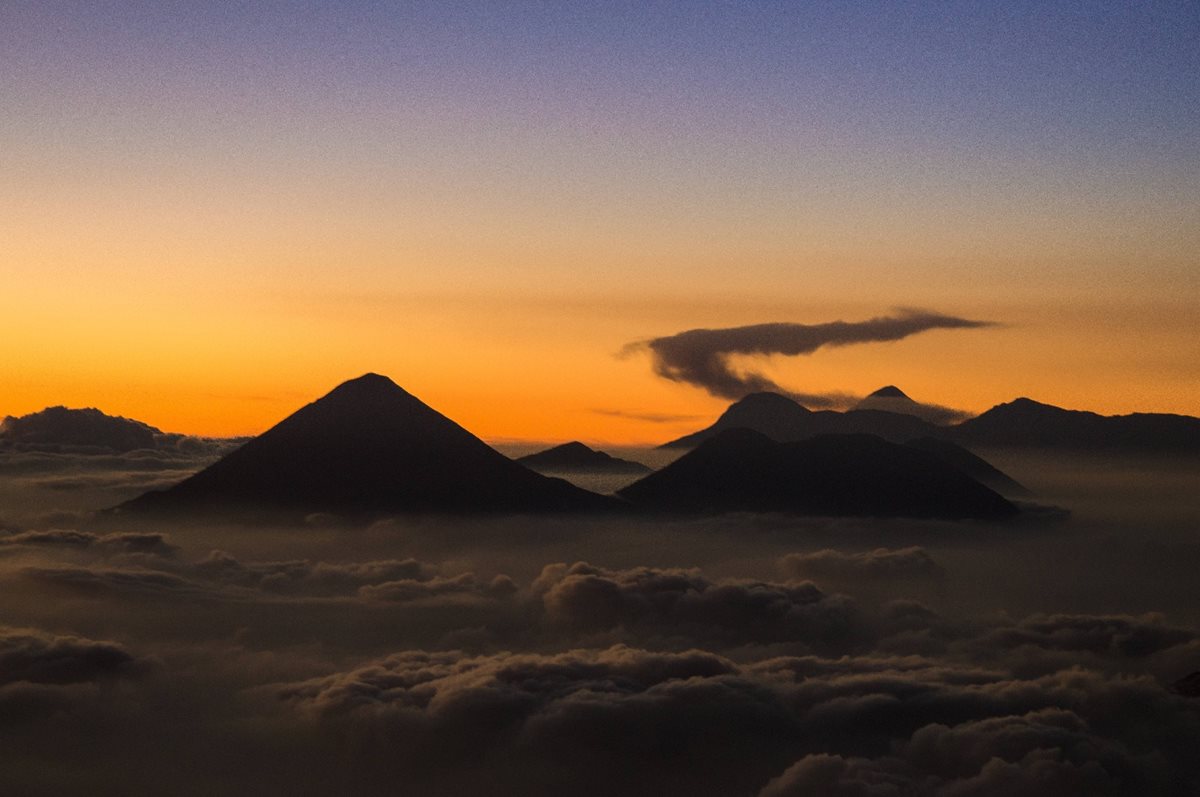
(211, 214)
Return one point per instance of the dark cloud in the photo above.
(464, 585)
(304, 577)
(1122, 635)
(1040, 773)
(624, 716)
(118, 581)
(68, 537)
(387, 580)
(609, 718)
(1048, 753)
(134, 568)
(44, 676)
(701, 357)
(881, 563)
(687, 605)
(105, 544)
(36, 657)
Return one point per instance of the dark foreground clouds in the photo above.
(317, 661)
(643, 722)
(602, 721)
(702, 357)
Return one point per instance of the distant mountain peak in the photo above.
(892, 399)
(1026, 406)
(576, 456)
(1025, 423)
(781, 418)
(889, 391)
(764, 397)
(765, 404)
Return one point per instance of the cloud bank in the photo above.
(731, 657)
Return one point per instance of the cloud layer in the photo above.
(739, 656)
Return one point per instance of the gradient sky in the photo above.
(213, 213)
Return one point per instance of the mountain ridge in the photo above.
(1021, 423)
(1026, 423)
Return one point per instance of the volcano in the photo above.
(576, 457)
(834, 475)
(1025, 423)
(783, 420)
(368, 448)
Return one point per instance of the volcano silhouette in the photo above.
(367, 448)
(1025, 423)
(741, 470)
(1019, 424)
(782, 419)
(889, 399)
(577, 457)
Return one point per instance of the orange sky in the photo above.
(204, 229)
(546, 368)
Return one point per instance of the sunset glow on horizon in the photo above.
(212, 217)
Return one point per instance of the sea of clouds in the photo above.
(729, 656)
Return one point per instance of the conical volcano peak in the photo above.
(764, 403)
(370, 378)
(367, 448)
(369, 384)
(573, 447)
(772, 414)
(374, 396)
(888, 391)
